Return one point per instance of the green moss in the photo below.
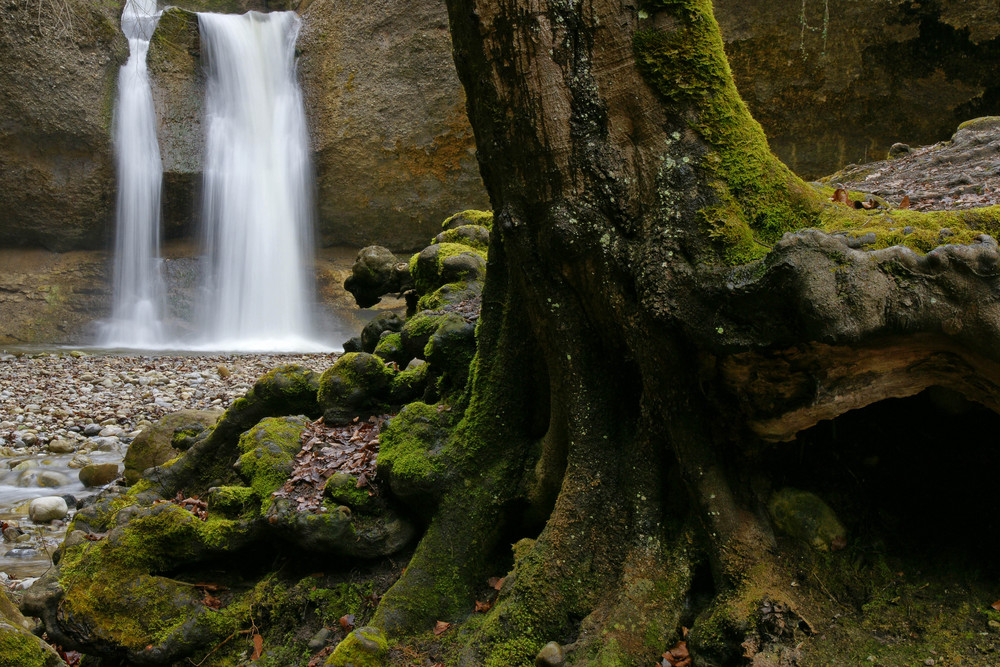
(21, 649)
(471, 217)
(411, 444)
(456, 236)
(409, 385)
(356, 385)
(342, 489)
(427, 274)
(364, 647)
(804, 516)
(757, 197)
(986, 122)
(234, 501)
(269, 450)
(390, 348)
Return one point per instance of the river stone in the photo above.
(47, 508)
(98, 474)
(91, 430)
(62, 446)
(51, 479)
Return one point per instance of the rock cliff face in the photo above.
(395, 153)
(834, 83)
(57, 83)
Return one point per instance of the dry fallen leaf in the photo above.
(258, 648)
(347, 622)
(441, 627)
(905, 203)
(996, 605)
(840, 196)
(483, 607)
(495, 582)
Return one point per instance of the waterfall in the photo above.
(138, 297)
(257, 186)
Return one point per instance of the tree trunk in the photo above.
(649, 324)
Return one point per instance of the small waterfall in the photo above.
(257, 186)
(138, 298)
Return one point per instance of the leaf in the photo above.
(347, 622)
(258, 647)
(996, 605)
(840, 196)
(483, 607)
(905, 203)
(495, 582)
(441, 627)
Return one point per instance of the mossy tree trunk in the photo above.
(646, 321)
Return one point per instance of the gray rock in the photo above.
(47, 508)
(91, 430)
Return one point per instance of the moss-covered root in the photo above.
(448, 566)
(286, 390)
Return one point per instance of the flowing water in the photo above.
(258, 186)
(139, 295)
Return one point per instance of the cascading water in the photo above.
(257, 189)
(138, 301)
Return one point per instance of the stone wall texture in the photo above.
(839, 81)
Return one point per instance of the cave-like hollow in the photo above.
(914, 481)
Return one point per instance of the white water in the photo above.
(139, 295)
(257, 190)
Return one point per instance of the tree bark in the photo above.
(650, 317)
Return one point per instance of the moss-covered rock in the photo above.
(357, 385)
(804, 516)
(286, 390)
(364, 647)
(451, 349)
(417, 331)
(18, 646)
(375, 273)
(469, 217)
(410, 385)
(410, 451)
(233, 501)
(269, 450)
(450, 294)
(155, 444)
(442, 263)
(390, 348)
(380, 324)
(474, 236)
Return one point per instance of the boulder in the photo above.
(376, 272)
(357, 385)
(98, 474)
(57, 177)
(382, 323)
(159, 443)
(47, 508)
